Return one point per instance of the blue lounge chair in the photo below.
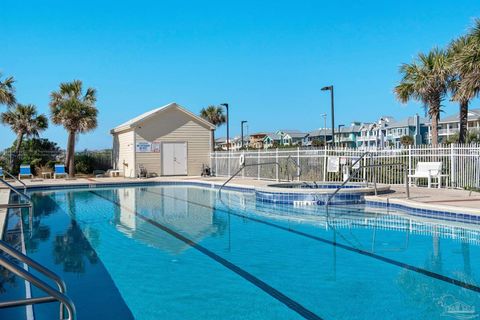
(25, 171)
(2, 174)
(59, 171)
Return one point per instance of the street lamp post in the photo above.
(324, 115)
(330, 88)
(228, 127)
(242, 123)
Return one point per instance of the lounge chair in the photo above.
(99, 173)
(59, 171)
(25, 171)
(2, 174)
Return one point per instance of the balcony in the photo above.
(365, 138)
(346, 139)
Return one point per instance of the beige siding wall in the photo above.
(175, 126)
(123, 153)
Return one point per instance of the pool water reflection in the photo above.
(177, 252)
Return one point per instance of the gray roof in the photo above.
(320, 132)
(297, 135)
(407, 122)
(473, 114)
(274, 136)
(289, 131)
(349, 129)
(293, 133)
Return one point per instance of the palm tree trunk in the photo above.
(462, 136)
(434, 130)
(71, 154)
(434, 112)
(17, 150)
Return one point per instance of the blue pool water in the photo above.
(178, 252)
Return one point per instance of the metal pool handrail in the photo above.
(299, 168)
(21, 194)
(28, 205)
(11, 251)
(18, 180)
(240, 170)
(53, 294)
(351, 176)
(407, 186)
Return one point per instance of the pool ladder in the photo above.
(244, 165)
(359, 168)
(23, 194)
(53, 295)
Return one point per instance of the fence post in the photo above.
(409, 163)
(243, 171)
(298, 164)
(216, 163)
(364, 171)
(325, 163)
(276, 167)
(452, 167)
(258, 165)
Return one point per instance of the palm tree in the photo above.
(426, 80)
(466, 63)
(24, 122)
(76, 112)
(215, 116)
(7, 91)
(459, 93)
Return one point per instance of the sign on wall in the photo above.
(333, 164)
(156, 147)
(144, 147)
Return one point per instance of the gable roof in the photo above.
(320, 132)
(349, 129)
(473, 114)
(273, 136)
(291, 133)
(407, 122)
(149, 114)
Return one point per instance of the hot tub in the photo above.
(311, 193)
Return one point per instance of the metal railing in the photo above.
(356, 171)
(53, 294)
(21, 194)
(16, 179)
(28, 204)
(240, 170)
(299, 168)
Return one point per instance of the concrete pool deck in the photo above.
(453, 200)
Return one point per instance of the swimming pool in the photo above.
(178, 252)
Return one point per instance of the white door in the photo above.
(174, 155)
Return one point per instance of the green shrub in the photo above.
(84, 163)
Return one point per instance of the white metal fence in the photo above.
(461, 163)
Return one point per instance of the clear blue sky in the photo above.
(267, 59)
